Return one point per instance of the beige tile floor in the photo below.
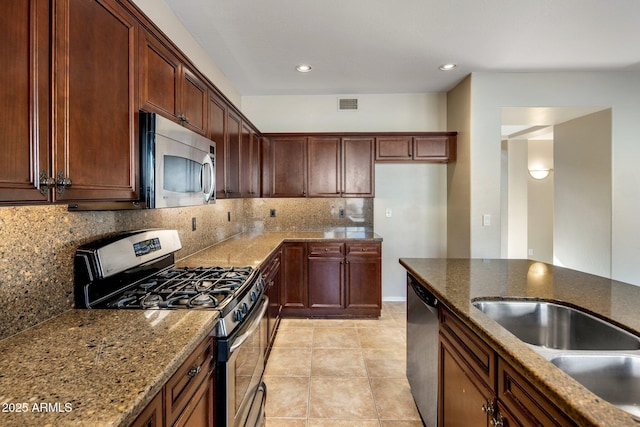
(339, 373)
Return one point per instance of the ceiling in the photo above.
(385, 46)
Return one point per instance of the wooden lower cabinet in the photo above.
(477, 387)
(331, 279)
(271, 274)
(188, 398)
(463, 396)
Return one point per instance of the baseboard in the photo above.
(394, 299)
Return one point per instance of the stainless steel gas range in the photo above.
(136, 270)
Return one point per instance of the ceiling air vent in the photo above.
(347, 104)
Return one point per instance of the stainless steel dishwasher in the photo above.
(422, 349)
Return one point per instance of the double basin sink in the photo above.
(601, 356)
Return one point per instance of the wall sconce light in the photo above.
(539, 173)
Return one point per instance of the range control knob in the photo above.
(254, 296)
(244, 308)
(238, 316)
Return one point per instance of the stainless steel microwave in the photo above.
(178, 166)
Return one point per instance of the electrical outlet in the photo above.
(193, 224)
(341, 213)
(272, 213)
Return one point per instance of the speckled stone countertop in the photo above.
(457, 281)
(94, 367)
(252, 249)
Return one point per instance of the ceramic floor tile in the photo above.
(285, 361)
(343, 423)
(393, 399)
(385, 362)
(341, 398)
(396, 423)
(382, 337)
(333, 323)
(287, 397)
(286, 422)
(294, 337)
(337, 362)
(336, 338)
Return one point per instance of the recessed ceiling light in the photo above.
(447, 67)
(303, 68)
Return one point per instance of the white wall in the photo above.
(540, 206)
(168, 22)
(618, 90)
(319, 113)
(582, 193)
(516, 194)
(416, 194)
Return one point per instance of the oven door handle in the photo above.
(254, 325)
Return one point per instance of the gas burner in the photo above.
(151, 301)
(204, 285)
(203, 300)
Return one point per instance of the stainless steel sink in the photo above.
(555, 326)
(615, 378)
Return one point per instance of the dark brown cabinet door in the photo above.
(232, 169)
(152, 414)
(397, 148)
(217, 132)
(324, 167)
(357, 167)
(431, 148)
(254, 187)
(95, 131)
(364, 276)
(194, 101)
(462, 396)
(288, 167)
(245, 161)
(200, 410)
(293, 279)
(326, 275)
(159, 77)
(24, 99)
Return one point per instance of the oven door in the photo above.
(240, 376)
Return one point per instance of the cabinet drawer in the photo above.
(326, 249)
(480, 357)
(271, 265)
(364, 249)
(526, 403)
(184, 383)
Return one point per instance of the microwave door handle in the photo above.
(209, 193)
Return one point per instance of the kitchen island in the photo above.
(456, 282)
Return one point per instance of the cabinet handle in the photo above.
(497, 421)
(46, 183)
(194, 371)
(182, 118)
(62, 183)
(487, 408)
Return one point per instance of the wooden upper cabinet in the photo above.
(170, 88)
(357, 167)
(94, 92)
(245, 161)
(232, 170)
(254, 188)
(323, 166)
(218, 133)
(433, 148)
(289, 167)
(396, 148)
(194, 102)
(159, 77)
(24, 99)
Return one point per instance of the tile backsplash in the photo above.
(37, 243)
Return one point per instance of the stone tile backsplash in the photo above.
(37, 243)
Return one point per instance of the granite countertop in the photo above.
(457, 281)
(94, 367)
(252, 249)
